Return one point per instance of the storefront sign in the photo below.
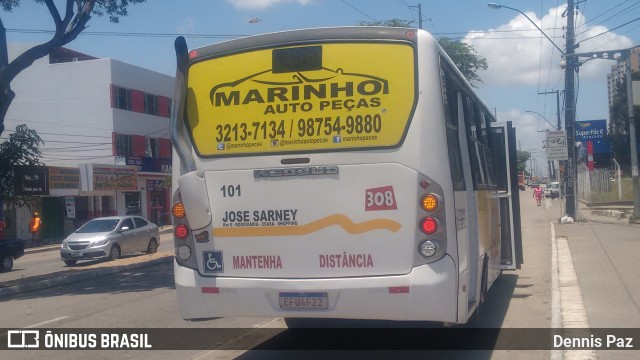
(149, 164)
(64, 178)
(156, 185)
(594, 131)
(95, 177)
(31, 180)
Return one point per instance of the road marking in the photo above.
(566, 293)
(249, 338)
(46, 322)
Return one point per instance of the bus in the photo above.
(347, 173)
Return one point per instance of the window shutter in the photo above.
(137, 101)
(163, 106)
(139, 148)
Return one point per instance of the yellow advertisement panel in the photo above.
(306, 98)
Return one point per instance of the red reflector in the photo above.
(210, 290)
(192, 54)
(429, 225)
(399, 290)
(181, 231)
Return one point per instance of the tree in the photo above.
(465, 58)
(463, 55)
(619, 122)
(67, 29)
(22, 148)
(521, 158)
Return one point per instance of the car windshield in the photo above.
(97, 226)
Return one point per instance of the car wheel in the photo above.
(6, 263)
(153, 246)
(114, 254)
(70, 262)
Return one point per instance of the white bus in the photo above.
(337, 173)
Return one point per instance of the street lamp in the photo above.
(542, 116)
(498, 6)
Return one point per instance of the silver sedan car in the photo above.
(110, 237)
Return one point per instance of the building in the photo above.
(619, 71)
(105, 126)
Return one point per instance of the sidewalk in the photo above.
(605, 249)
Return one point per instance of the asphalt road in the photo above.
(37, 263)
(146, 298)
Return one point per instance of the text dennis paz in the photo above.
(593, 342)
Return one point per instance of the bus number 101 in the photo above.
(230, 190)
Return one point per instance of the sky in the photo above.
(521, 62)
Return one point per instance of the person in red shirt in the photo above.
(537, 194)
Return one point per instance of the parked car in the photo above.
(554, 189)
(10, 250)
(110, 237)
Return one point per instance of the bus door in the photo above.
(503, 144)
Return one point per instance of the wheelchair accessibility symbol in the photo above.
(213, 261)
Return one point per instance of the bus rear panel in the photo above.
(321, 185)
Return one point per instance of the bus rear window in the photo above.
(333, 96)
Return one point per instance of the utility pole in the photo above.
(557, 92)
(552, 172)
(635, 179)
(570, 113)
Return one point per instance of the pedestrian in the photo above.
(537, 194)
(35, 224)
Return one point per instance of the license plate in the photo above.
(76, 254)
(304, 301)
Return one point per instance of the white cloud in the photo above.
(520, 56)
(263, 4)
(187, 26)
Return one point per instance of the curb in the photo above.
(610, 213)
(81, 275)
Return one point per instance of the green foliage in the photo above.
(113, 8)
(522, 158)
(68, 23)
(464, 56)
(22, 148)
(619, 122)
(388, 23)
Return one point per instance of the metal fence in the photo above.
(596, 181)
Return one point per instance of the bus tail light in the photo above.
(429, 225)
(178, 210)
(182, 238)
(429, 202)
(181, 231)
(431, 220)
(428, 248)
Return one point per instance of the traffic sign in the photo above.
(557, 145)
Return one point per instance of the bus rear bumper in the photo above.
(427, 293)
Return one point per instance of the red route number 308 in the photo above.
(381, 198)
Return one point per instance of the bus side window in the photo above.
(450, 107)
(474, 154)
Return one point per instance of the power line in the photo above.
(358, 10)
(610, 30)
(132, 34)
